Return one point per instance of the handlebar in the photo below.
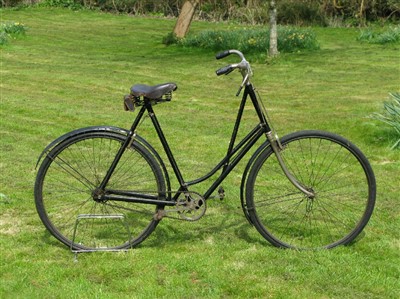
(229, 52)
(223, 54)
(243, 66)
(224, 70)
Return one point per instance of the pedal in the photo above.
(221, 193)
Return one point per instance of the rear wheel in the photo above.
(334, 169)
(66, 183)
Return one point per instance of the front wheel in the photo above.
(329, 165)
(68, 178)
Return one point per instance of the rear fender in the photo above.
(110, 129)
(77, 132)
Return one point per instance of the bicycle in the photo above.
(306, 190)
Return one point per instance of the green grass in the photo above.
(73, 69)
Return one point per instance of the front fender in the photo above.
(110, 129)
(262, 148)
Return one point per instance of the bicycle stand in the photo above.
(82, 217)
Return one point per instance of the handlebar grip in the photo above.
(223, 54)
(225, 70)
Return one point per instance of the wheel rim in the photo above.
(68, 208)
(341, 206)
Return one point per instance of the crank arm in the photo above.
(164, 213)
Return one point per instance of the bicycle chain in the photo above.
(190, 206)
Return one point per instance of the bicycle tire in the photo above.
(69, 174)
(335, 169)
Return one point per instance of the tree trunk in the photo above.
(185, 18)
(273, 37)
(361, 14)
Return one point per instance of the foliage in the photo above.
(300, 13)
(389, 35)
(71, 4)
(11, 30)
(254, 40)
(391, 116)
(294, 12)
(294, 40)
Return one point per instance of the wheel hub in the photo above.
(98, 195)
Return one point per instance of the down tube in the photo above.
(235, 161)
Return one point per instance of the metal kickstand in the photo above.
(82, 217)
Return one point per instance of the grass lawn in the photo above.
(72, 70)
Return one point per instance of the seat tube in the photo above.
(165, 145)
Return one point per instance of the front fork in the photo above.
(277, 148)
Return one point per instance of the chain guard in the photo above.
(190, 206)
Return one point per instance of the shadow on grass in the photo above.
(174, 232)
(167, 234)
(225, 230)
(50, 240)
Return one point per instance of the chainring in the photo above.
(191, 206)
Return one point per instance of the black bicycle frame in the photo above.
(228, 163)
